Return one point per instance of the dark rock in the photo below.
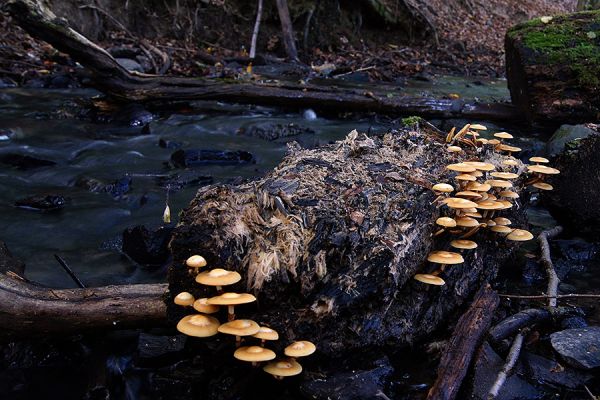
(42, 202)
(580, 347)
(147, 246)
(573, 322)
(566, 136)
(117, 189)
(350, 385)
(124, 52)
(191, 158)
(169, 144)
(183, 179)
(23, 161)
(155, 346)
(130, 64)
(550, 372)
(271, 131)
(573, 256)
(133, 115)
(8, 262)
(62, 81)
(7, 83)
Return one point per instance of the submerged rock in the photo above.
(24, 161)
(580, 347)
(117, 189)
(42, 202)
(191, 158)
(272, 131)
(147, 246)
(183, 179)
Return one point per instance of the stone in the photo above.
(24, 161)
(147, 246)
(191, 158)
(130, 64)
(43, 202)
(579, 347)
(564, 136)
(271, 131)
(550, 372)
(155, 346)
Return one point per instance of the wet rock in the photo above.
(169, 144)
(350, 385)
(152, 347)
(8, 262)
(309, 115)
(271, 131)
(565, 136)
(573, 322)
(7, 83)
(573, 256)
(580, 347)
(62, 81)
(130, 64)
(183, 179)
(192, 158)
(117, 189)
(123, 52)
(24, 161)
(147, 246)
(550, 372)
(487, 366)
(133, 115)
(42, 202)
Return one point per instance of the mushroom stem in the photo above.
(230, 313)
(238, 341)
(219, 289)
(262, 342)
(471, 232)
(439, 232)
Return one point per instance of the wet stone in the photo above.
(42, 202)
(192, 158)
(184, 179)
(156, 346)
(271, 131)
(553, 373)
(8, 262)
(147, 246)
(23, 161)
(580, 347)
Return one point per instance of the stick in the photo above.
(546, 261)
(69, 271)
(256, 28)
(545, 296)
(513, 356)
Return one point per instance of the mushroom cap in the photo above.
(490, 223)
(457, 202)
(442, 187)
(490, 196)
(520, 235)
(503, 135)
(454, 149)
(499, 183)
(254, 354)
(508, 194)
(465, 177)
(490, 205)
(502, 221)
(184, 299)
(505, 175)
(478, 187)
(481, 166)
(478, 127)
(231, 299)
(473, 215)
(461, 167)
(201, 305)
(510, 163)
(482, 140)
(300, 349)
(539, 160)
(543, 186)
(240, 327)
(446, 222)
(445, 257)
(198, 325)
(218, 277)
(283, 368)
(542, 169)
(468, 193)
(501, 229)
(429, 279)
(266, 333)
(195, 261)
(510, 149)
(476, 174)
(463, 244)
(467, 222)
(506, 204)
(493, 142)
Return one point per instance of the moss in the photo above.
(411, 121)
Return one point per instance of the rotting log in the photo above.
(466, 339)
(114, 80)
(330, 241)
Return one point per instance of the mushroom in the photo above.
(195, 262)
(198, 325)
(239, 328)
(481, 166)
(468, 222)
(458, 203)
(218, 277)
(300, 348)
(281, 369)
(454, 149)
(504, 175)
(510, 163)
(429, 279)
(231, 300)
(539, 160)
(478, 127)
(503, 135)
(478, 187)
(441, 190)
(184, 299)
(254, 354)
(499, 183)
(543, 186)
(507, 194)
(461, 167)
(444, 258)
(201, 305)
(540, 171)
(489, 206)
(508, 149)
(502, 221)
(520, 235)
(501, 229)
(265, 333)
(476, 174)
(463, 244)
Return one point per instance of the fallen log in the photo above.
(114, 80)
(466, 338)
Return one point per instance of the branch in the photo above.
(511, 360)
(546, 261)
(546, 296)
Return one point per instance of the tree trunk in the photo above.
(112, 79)
(287, 29)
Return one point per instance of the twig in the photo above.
(356, 70)
(546, 296)
(511, 360)
(589, 392)
(256, 29)
(69, 271)
(546, 261)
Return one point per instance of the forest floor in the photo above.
(470, 37)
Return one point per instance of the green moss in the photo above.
(411, 121)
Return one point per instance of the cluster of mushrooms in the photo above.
(480, 192)
(203, 324)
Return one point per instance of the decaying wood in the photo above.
(466, 338)
(546, 261)
(511, 360)
(114, 80)
(29, 310)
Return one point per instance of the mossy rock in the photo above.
(553, 67)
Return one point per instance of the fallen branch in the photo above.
(545, 296)
(546, 261)
(466, 338)
(511, 360)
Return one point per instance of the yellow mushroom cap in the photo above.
(283, 368)
(198, 325)
(490, 205)
(509, 194)
(501, 229)
(473, 215)
(506, 204)
(184, 299)
(491, 197)
(499, 183)
(503, 135)
(231, 299)
(429, 279)
(266, 333)
(480, 166)
(493, 142)
(443, 187)
(510, 149)
(465, 177)
(490, 223)
(510, 163)
(195, 261)
(446, 222)
(454, 149)
(300, 349)
(467, 222)
(482, 140)
(478, 127)
(504, 175)
(476, 174)
(478, 187)
(542, 169)
(502, 221)
(539, 160)
(463, 244)
(461, 167)
(468, 193)
(520, 235)
(445, 257)
(240, 327)
(201, 305)
(254, 354)
(543, 186)
(457, 202)
(218, 277)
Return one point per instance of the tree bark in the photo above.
(112, 79)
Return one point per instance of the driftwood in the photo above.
(466, 338)
(114, 80)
